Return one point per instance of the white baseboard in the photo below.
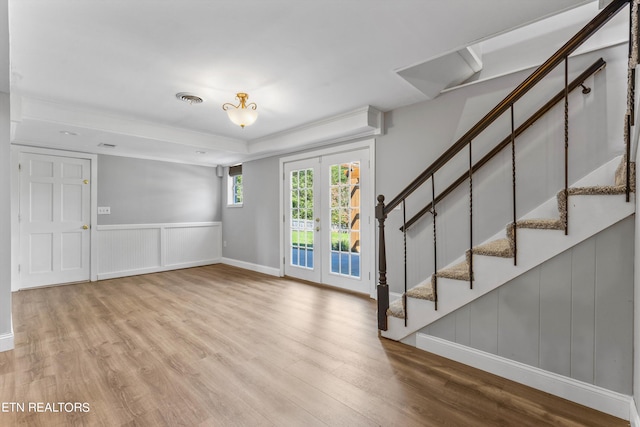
(634, 418)
(589, 395)
(253, 267)
(139, 271)
(6, 342)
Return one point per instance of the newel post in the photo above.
(383, 288)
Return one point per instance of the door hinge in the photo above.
(19, 267)
(20, 167)
(283, 261)
(19, 218)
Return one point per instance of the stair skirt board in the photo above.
(634, 416)
(609, 402)
(492, 261)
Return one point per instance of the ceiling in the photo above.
(109, 71)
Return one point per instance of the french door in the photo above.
(55, 212)
(327, 215)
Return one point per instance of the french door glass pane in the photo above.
(301, 229)
(345, 219)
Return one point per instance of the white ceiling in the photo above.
(109, 70)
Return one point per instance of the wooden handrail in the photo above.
(587, 31)
(577, 82)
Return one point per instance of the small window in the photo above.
(234, 190)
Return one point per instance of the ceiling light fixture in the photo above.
(242, 114)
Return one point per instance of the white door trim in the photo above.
(370, 144)
(16, 150)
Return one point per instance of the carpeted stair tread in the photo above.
(457, 272)
(422, 292)
(499, 248)
(396, 309)
(541, 224)
(599, 190)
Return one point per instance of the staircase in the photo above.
(595, 203)
(579, 211)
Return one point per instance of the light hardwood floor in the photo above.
(221, 346)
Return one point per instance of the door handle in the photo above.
(85, 227)
(317, 228)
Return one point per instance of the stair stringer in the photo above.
(588, 215)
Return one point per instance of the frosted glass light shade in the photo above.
(242, 116)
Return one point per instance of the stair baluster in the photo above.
(435, 245)
(513, 181)
(404, 242)
(470, 217)
(566, 145)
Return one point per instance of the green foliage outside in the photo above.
(302, 206)
(304, 239)
(237, 189)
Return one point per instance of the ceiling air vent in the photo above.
(105, 145)
(189, 98)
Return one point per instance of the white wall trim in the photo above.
(363, 122)
(132, 249)
(83, 117)
(271, 271)
(589, 395)
(16, 150)
(634, 418)
(7, 342)
(137, 272)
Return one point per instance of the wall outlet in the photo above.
(104, 210)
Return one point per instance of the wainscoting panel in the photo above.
(131, 249)
(193, 243)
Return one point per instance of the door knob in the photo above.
(85, 227)
(317, 228)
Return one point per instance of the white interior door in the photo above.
(327, 219)
(55, 211)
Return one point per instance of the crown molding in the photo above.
(365, 121)
(82, 117)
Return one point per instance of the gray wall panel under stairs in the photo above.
(572, 315)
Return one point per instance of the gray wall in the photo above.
(150, 192)
(418, 134)
(572, 315)
(252, 232)
(5, 168)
